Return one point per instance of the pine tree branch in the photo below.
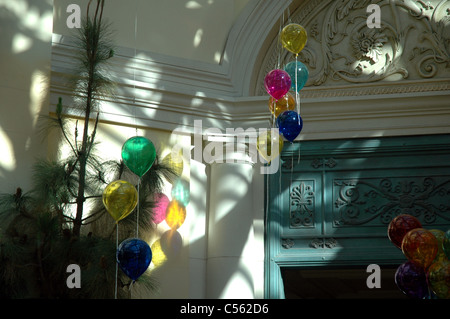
(61, 124)
(83, 154)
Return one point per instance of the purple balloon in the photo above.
(412, 280)
(277, 83)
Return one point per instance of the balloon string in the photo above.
(274, 108)
(297, 98)
(297, 95)
(134, 69)
(117, 265)
(290, 182)
(280, 45)
(137, 212)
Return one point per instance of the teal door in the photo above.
(331, 202)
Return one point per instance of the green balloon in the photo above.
(138, 154)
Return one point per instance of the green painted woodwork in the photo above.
(331, 201)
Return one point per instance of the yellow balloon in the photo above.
(440, 235)
(293, 38)
(120, 198)
(264, 144)
(286, 103)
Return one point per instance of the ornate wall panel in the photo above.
(410, 52)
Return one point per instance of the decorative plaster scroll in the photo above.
(377, 201)
(413, 44)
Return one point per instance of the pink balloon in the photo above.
(277, 83)
(159, 212)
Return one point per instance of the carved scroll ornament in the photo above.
(412, 43)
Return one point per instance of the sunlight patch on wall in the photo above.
(239, 285)
(21, 43)
(198, 38)
(193, 5)
(7, 160)
(31, 18)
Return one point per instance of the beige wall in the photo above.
(25, 55)
(179, 28)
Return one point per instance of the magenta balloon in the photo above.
(277, 83)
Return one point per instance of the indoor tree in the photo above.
(62, 219)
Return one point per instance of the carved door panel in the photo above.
(304, 216)
(367, 204)
(334, 204)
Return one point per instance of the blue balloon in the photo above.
(302, 74)
(134, 256)
(290, 124)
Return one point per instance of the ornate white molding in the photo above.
(156, 91)
(411, 47)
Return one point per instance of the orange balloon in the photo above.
(420, 247)
(286, 103)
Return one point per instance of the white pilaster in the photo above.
(232, 251)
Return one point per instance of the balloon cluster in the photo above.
(278, 83)
(120, 198)
(427, 270)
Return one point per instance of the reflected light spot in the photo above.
(176, 214)
(158, 256)
(175, 162)
(160, 210)
(181, 192)
(166, 248)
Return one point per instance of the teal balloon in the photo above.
(302, 74)
(138, 154)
